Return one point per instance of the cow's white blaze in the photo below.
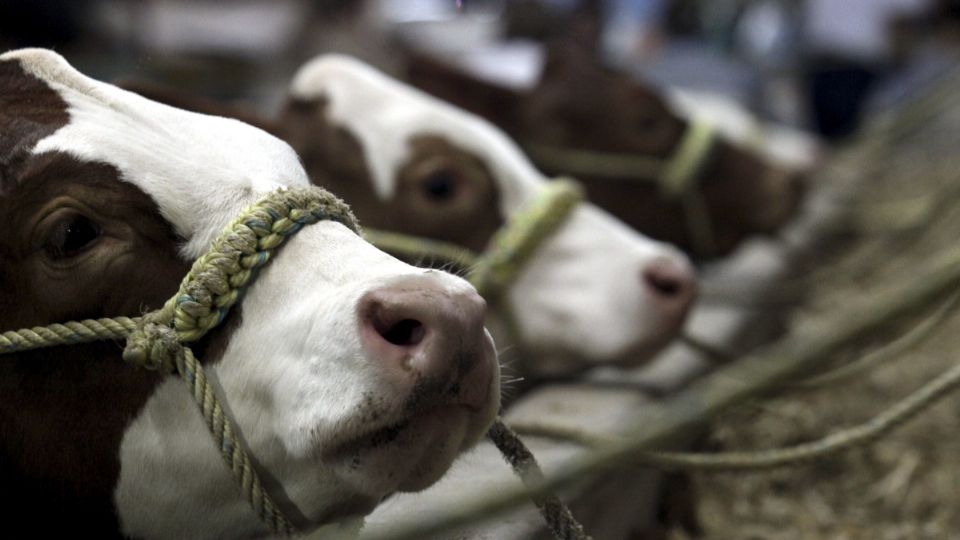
(295, 377)
(595, 263)
(201, 170)
(582, 296)
(384, 114)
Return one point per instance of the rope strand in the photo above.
(558, 517)
(861, 435)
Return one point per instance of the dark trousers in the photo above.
(837, 91)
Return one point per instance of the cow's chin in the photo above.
(627, 348)
(562, 362)
(413, 453)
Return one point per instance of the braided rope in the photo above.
(558, 517)
(68, 333)
(213, 285)
(510, 248)
(515, 243)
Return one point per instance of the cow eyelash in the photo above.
(71, 236)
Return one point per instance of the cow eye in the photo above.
(71, 236)
(440, 186)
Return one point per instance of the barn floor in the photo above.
(906, 207)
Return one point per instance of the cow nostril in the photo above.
(667, 279)
(663, 284)
(407, 332)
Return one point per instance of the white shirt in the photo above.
(855, 28)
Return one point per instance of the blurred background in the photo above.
(815, 64)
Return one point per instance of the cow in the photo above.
(350, 374)
(596, 292)
(569, 103)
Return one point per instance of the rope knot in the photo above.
(153, 346)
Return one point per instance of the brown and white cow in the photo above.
(351, 375)
(596, 292)
(561, 97)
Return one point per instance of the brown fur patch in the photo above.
(29, 111)
(64, 410)
(581, 104)
(442, 191)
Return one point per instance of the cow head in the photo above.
(349, 374)
(594, 292)
(578, 104)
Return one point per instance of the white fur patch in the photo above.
(295, 380)
(384, 114)
(199, 169)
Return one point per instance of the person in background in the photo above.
(633, 29)
(848, 45)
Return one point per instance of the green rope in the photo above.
(511, 247)
(676, 176)
(685, 168)
(68, 333)
(213, 285)
(515, 243)
(592, 163)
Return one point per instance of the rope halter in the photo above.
(512, 246)
(214, 284)
(677, 176)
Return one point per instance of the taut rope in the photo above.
(677, 176)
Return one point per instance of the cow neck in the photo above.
(213, 285)
(493, 271)
(677, 176)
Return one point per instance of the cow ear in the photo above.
(498, 104)
(175, 98)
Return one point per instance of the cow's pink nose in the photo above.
(671, 281)
(421, 329)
